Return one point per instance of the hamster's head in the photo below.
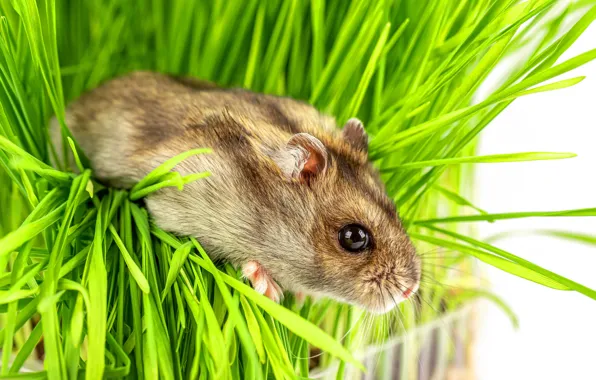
(361, 253)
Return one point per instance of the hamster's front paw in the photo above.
(261, 280)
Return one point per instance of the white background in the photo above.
(557, 335)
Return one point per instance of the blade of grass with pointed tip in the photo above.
(489, 159)
(589, 212)
(176, 263)
(455, 197)
(135, 271)
(164, 168)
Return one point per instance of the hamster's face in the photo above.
(362, 254)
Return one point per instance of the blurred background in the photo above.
(557, 334)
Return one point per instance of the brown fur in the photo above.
(252, 207)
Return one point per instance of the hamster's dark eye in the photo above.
(354, 238)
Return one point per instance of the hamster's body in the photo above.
(281, 174)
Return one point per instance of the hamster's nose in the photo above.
(411, 290)
(407, 293)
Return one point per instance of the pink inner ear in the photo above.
(312, 158)
(313, 165)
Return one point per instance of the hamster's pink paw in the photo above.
(261, 280)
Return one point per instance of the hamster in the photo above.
(291, 199)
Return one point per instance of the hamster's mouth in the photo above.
(388, 301)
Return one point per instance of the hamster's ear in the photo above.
(303, 158)
(355, 134)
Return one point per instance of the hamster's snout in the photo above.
(390, 287)
(393, 298)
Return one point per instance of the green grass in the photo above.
(81, 265)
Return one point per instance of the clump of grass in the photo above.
(112, 295)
